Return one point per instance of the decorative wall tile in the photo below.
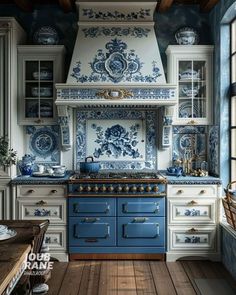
(43, 143)
(94, 32)
(213, 150)
(118, 142)
(189, 140)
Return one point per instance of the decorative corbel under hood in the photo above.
(116, 60)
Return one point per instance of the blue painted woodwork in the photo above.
(131, 250)
(92, 207)
(141, 206)
(92, 231)
(141, 231)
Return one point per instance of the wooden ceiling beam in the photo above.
(67, 5)
(25, 5)
(207, 5)
(164, 5)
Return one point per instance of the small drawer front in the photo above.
(55, 238)
(141, 231)
(192, 190)
(191, 211)
(91, 207)
(54, 210)
(141, 206)
(41, 191)
(92, 231)
(196, 238)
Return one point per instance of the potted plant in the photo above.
(8, 156)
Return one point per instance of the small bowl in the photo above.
(189, 91)
(44, 74)
(189, 74)
(187, 36)
(44, 91)
(46, 35)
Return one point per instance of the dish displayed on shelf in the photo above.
(187, 36)
(185, 110)
(46, 35)
(189, 74)
(40, 174)
(42, 91)
(10, 233)
(44, 74)
(190, 91)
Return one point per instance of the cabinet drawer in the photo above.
(92, 207)
(141, 206)
(55, 238)
(192, 238)
(41, 191)
(53, 209)
(192, 190)
(92, 231)
(190, 211)
(141, 231)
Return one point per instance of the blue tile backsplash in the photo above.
(43, 143)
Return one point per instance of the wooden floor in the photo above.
(133, 277)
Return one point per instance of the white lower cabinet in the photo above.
(46, 202)
(193, 217)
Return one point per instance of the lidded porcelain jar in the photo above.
(26, 165)
(187, 36)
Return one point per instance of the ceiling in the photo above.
(69, 5)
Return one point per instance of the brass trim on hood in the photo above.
(114, 94)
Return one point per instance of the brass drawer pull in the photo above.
(192, 230)
(90, 219)
(180, 191)
(31, 191)
(53, 191)
(192, 203)
(203, 191)
(140, 219)
(41, 203)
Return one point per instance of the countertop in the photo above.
(192, 179)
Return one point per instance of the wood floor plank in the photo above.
(126, 279)
(143, 278)
(72, 279)
(180, 279)
(108, 278)
(162, 279)
(90, 278)
(58, 272)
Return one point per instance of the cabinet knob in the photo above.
(148, 188)
(180, 191)
(126, 188)
(155, 188)
(80, 188)
(111, 188)
(203, 191)
(41, 203)
(95, 188)
(31, 191)
(53, 191)
(134, 188)
(119, 188)
(192, 203)
(140, 188)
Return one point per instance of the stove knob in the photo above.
(88, 188)
(155, 188)
(95, 188)
(126, 188)
(103, 188)
(134, 188)
(119, 188)
(148, 188)
(111, 188)
(141, 188)
(80, 188)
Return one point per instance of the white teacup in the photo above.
(58, 169)
(41, 168)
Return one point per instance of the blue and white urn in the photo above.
(26, 165)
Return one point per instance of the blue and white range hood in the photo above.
(116, 59)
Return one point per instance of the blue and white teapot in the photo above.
(26, 165)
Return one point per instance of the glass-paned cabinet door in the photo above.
(190, 68)
(39, 70)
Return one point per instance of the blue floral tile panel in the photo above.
(213, 150)
(115, 141)
(43, 143)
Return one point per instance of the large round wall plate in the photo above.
(43, 142)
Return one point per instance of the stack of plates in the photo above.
(6, 233)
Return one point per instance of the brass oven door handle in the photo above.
(90, 219)
(140, 219)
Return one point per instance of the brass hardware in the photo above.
(91, 240)
(192, 230)
(53, 191)
(114, 94)
(192, 122)
(192, 203)
(41, 203)
(155, 188)
(203, 191)
(38, 121)
(148, 188)
(180, 191)
(140, 219)
(31, 191)
(90, 219)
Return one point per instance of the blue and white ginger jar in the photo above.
(26, 165)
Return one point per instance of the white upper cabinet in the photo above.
(190, 68)
(39, 68)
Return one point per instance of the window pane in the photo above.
(233, 170)
(233, 33)
(233, 143)
(233, 111)
(233, 69)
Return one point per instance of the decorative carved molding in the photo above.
(115, 94)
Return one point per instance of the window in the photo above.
(233, 101)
